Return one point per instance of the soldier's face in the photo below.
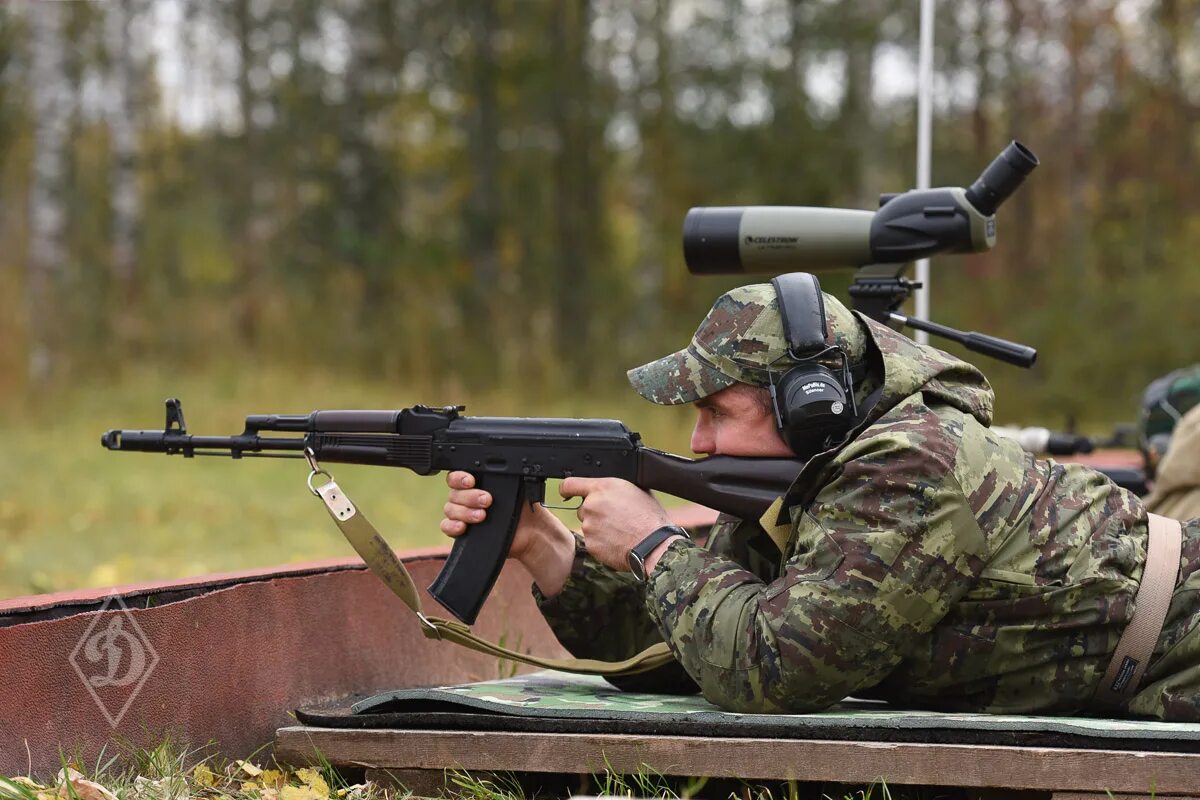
(738, 421)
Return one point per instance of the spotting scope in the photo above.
(908, 226)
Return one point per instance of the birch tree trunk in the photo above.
(123, 148)
(248, 221)
(47, 209)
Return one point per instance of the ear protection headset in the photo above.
(813, 404)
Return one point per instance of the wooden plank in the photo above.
(1046, 769)
(1099, 796)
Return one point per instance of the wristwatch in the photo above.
(642, 550)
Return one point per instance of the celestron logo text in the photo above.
(772, 239)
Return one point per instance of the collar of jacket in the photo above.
(906, 369)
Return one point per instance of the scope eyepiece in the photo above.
(710, 240)
(1001, 178)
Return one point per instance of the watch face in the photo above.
(637, 567)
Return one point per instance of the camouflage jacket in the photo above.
(927, 561)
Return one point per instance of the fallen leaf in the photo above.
(67, 774)
(205, 777)
(300, 793)
(314, 780)
(248, 768)
(270, 777)
(83, 789)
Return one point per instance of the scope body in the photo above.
(907, 226)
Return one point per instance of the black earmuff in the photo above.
(814, 405)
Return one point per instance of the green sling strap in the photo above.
(382, 561)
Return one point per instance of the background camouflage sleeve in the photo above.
(876, 560)
(601, 613)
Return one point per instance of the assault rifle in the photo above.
(511, 457)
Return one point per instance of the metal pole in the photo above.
(924, 144)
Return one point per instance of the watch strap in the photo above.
(642, 550)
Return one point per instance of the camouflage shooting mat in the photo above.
(557, 702)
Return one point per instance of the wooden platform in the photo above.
(1061, 772)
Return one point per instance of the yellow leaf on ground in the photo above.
(300, 793)
(270, 777)
(248, 768)
(314, 780)
(203, 776)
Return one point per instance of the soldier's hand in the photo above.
(614, 516)
(542, 542)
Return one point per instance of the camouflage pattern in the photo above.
(931, 563)
(560, 695)
(740, 340)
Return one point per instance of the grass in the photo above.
(73, 515)
(169, 771)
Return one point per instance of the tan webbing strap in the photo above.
(1150, 605)
(382, 561)
(781, 535)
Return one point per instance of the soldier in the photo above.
(918, 557)
(1169, 437)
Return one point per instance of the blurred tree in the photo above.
(482, 217)
(454, 193)
(125, 68)
(52, 104)
(576, 184)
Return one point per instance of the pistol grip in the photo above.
(478, 555)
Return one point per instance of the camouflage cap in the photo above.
(740, 341)
(1164, 403)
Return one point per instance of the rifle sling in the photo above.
(383, 562)
(1151, 602)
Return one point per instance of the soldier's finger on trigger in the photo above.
(574, 487)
